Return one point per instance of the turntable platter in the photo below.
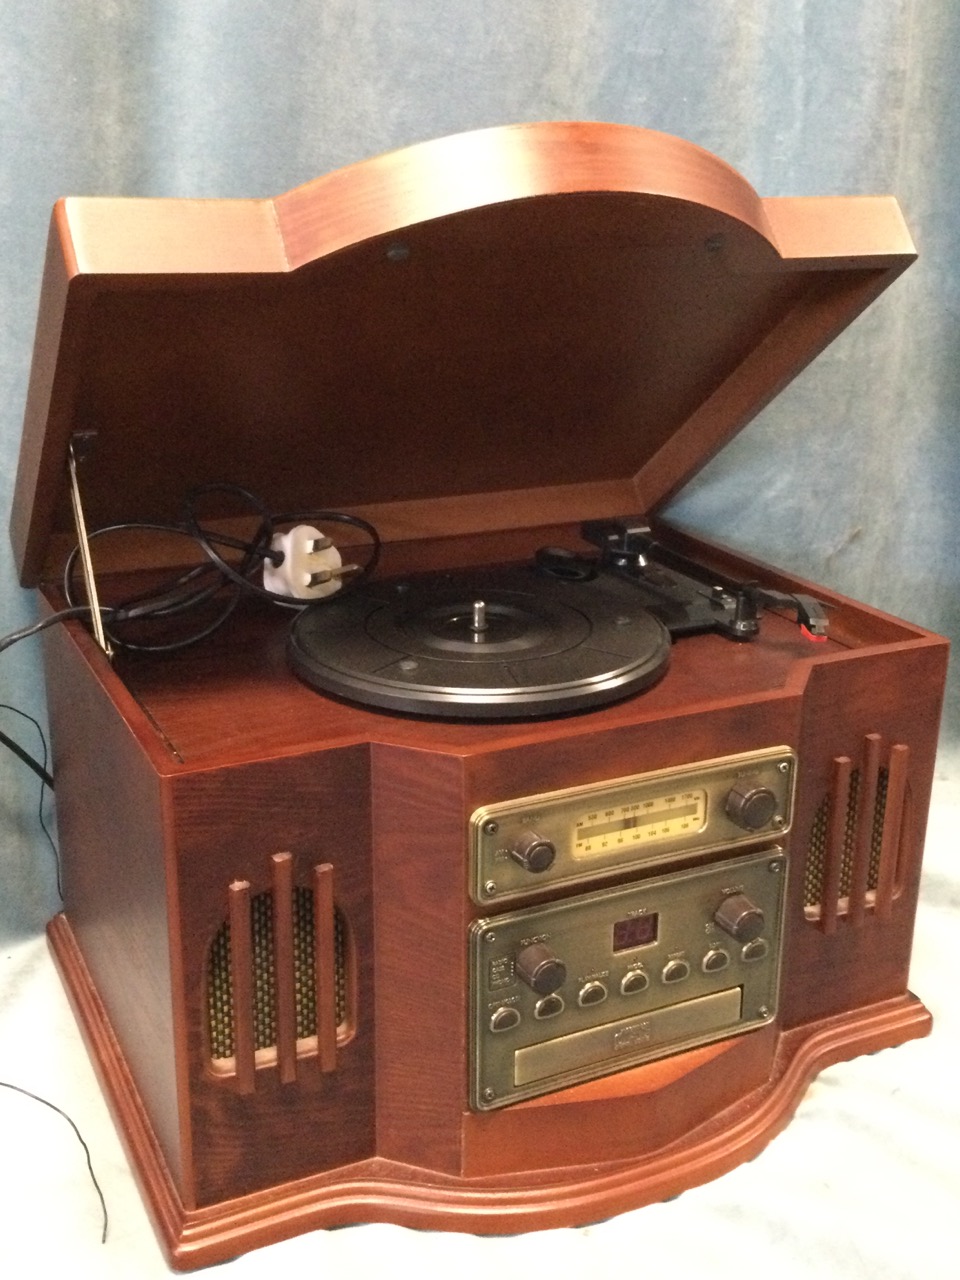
(498, 645)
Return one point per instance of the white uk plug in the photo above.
(311, 567)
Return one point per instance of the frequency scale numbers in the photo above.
(641, 822)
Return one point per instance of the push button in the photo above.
(715, 960)
(634, 981)
(592, 993)
(675, 971)
(548, 1007)
(755, 950)
(505, 1018)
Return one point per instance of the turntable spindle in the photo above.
(479, 623)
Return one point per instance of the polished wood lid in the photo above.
(505, 329)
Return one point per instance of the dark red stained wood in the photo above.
(892, 825)
(241, 982)
(229, 821)
(620, 293)
(325, 965)
(388, 1192)
(867, 802)
(619, 1116)
(295, 775)
(118, 875)
(836, 837)
(213, 723)
(421, 915)
(284, 966)
(844, 703)
(632, 300)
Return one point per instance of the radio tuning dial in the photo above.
(750, 804)
(533, 852)
(740, 917)
(540, 968)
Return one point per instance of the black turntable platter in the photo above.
(500, 644)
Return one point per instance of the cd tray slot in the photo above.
(630, 1036)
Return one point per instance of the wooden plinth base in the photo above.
(379, 1190)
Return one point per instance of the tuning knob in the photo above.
(533, 852)
(740, 917)
(541, 968)
(750, 804)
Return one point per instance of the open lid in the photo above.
(509, 328)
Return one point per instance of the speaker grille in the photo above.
(813, 882)
(854, 859)
(220, 1012)
(278, 988)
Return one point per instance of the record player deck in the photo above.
(483, 644)
(532, 875)
(564, 633)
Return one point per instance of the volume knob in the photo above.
(541, 968)
(740, 917)
(533, 852)
(750, 804)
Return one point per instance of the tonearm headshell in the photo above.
(687, 596)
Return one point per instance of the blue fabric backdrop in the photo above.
(852, 477)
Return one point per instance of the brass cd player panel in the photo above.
(538, 842)
(569, 991)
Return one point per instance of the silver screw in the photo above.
(490, 937)
(489, 1095)
(774, 867)
(783, 767)
(491, 828)
(763, 1012)
(490, 886)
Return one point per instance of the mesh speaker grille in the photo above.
(860, 847)
(815, 871)
(220, 1013)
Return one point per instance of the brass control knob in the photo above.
(740, 917)
(533, 852)
(751, 804)
(541, 968)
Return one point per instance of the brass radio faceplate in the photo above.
(573, 990)
(523, 846)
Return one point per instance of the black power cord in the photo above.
(193, 588)
(186, 592)
(202, 583)
(39, 769)
(34, 629)
(4, 1084)
(46, 779)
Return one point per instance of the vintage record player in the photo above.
(532, 876)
